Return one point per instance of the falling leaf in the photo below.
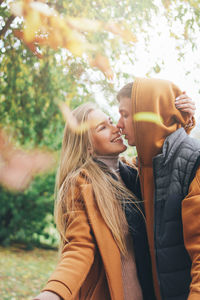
(72, 122)
(44, 26)
(102, 63)
(76, 43)
(17, 8)
(166, 3)
(43, 8)
(148, 117)
(18, 167)
(126, 34)
(32, 25)
(83, 24)
(32, 46)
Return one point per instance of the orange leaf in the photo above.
(127, 35)
(33, 23)
(42, 8)
(102, 63)
(19, 34)
(83, 24)
(72, 122)
(18, 167)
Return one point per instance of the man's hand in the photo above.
(186, 104)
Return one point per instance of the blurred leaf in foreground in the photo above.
(44, 26)
(148, 117)
(18, 167)
(72, 122)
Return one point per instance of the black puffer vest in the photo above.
(174, 170)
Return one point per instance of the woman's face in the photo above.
(105, 136)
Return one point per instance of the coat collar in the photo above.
(108, 249)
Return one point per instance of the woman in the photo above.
(104, 256)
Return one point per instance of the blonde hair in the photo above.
(109, 193)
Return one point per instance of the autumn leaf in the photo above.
(117, 29)
(44, 26)
(76, 43)
(83, 24)
(33, 45)
(33, 23)
(18, 167)
(102, 63)
(43, 8)
(166, 3)
(148, 117)
(72, 122)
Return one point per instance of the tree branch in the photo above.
(7, 25)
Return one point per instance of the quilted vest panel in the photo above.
(173, 171)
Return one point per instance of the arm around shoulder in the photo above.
(191, 232)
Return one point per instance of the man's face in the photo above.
(125, 122)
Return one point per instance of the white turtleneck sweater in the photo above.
(131, 285)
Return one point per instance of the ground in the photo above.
(23, 273)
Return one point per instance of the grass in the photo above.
(24, 273)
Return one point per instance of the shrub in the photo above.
(28, 217)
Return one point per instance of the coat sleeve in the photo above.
(191, 232)
(77, 257)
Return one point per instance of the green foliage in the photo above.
(28, 217)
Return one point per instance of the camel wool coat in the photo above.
(91, 257)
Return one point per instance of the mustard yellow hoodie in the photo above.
(157, 97)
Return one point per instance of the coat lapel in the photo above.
(107, 247)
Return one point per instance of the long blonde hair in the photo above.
(109, 193)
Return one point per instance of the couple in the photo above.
(115, 246)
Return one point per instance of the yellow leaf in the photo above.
(83, 24)
(148, 117)
(126, 34)
(72, 122)
(42, 8)
(76, 43)
(166, 3)
(32, 24)
(102, 63)
(17, 8)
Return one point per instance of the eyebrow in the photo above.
(103, 122)
(122, 110)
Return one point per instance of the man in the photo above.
(168, 164)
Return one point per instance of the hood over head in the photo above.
(157, 97)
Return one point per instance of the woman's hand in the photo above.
(47, 296)
(186, 104)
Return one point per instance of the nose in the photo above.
(120, 123)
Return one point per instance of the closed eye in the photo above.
(102, 127)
